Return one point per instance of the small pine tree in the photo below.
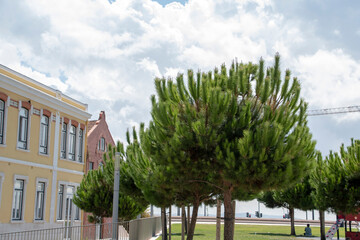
(298, 196)
(336, 182)
(95, 193)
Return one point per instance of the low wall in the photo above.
(144, 228)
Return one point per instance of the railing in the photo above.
(87, 232)
(139, 229)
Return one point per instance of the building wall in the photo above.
(31, 165)
(99, 129)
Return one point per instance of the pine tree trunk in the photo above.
(234, 207)
(186, 222)
(183, 222)
(170, 223)
(192, 224)
(218, 219)
(322, 224)
(228, 216)
(292, 220)
(188, 212)
(163, 222)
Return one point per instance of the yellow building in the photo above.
(42, 154)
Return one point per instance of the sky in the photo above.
(107, 53)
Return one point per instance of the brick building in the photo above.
(98, 139)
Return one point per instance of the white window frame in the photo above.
(30, 111)
(82, 144)
(6, 106)
(62, 202)
(23, 205)
(2, 178)
(48, 135)
(100, 144)
(92, 167)
(74, 143)
(43, 180)
(66, 186)
(66, 138)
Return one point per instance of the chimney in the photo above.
(102, 115)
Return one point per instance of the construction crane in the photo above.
(338, 110)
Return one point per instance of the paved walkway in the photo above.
(259, 221)
(317, 238)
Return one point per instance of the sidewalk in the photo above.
(317, 238)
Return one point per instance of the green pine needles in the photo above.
(242, 129)
(95, 194)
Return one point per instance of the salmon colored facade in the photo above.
(99, 137)
(42, 154)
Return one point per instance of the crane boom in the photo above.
(338, 110)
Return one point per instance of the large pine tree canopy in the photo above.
(244, 126)
(241, 129)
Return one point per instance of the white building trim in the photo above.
(55, 166)
(26, 163)
(41, 97)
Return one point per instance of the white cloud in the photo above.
(109, 54)
(126, 111)
(150, 66)
(336, 32)
(172, 72)
(330, 79)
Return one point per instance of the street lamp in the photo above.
(116, 196)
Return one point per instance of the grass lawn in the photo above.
(246, 232)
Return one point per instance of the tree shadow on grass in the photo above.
(271, 234)
(179, 234)
(279, 234)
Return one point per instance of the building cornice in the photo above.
(39, 96)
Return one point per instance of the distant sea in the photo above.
(251, 206)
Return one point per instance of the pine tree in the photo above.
(336, 182)
(298, 196)
(228, 131)
(95, 194)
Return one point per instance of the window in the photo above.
(72, 142)
(44, 134)
(63, 140)
(66, 208)
(60, 202)
(102, 144)
(2, 121)
(70, 190)
(23, 128)
(77, 212)
(81, 140)
(91, 165)
(18, 200)
(39, 202)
